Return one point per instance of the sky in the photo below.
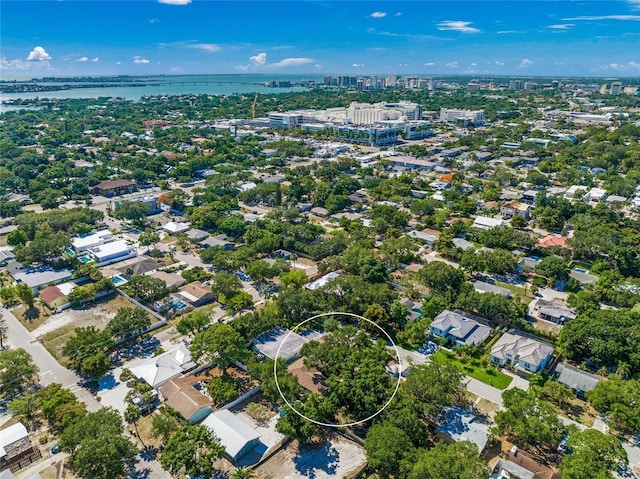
(143, 37)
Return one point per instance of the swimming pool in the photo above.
(177, 304)
(580, 270)
(84, 259)
(118, 280)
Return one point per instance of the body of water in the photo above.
(166, 85)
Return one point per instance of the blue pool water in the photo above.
(117, 280)
(179, 305)
(579, 270)
(84, 259)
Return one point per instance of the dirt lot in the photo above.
(334, 457)
(546, 326)
(55, 332)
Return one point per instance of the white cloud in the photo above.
(6, 64)
(429, 64)
(508, 32)
(624, 66)
(82, 59)
(634, 64)
(358, 65)
(140, 61)
(175, 70)
(154, 20)
(595, 18)
(175, 2)
(207, 47)
(457, 26)
(259, 59)
(403, 64)
(398, 14)
(474, 65)
(452, 65)
(118, 63)
(38, 54)
(95, 59)
(499, 63)
(291, 62)
(525, 63)
(378, 14)
(561, 26)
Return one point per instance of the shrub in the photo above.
(223, 389)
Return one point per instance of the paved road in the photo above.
(52, 372)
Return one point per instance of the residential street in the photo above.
(52, 372)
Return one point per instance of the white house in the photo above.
(595, 196)
(486, 223)
(236, 435)
(523, 352)
(175, 228)
(164, 367)
(113, 252)
(37, 278)
(86, 242)
(458, 329)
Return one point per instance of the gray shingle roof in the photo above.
(576, 379)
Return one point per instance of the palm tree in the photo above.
(243, 473)
(623, 370)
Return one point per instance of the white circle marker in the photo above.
(327, 424)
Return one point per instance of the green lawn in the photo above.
(474, 368)
(521, 294)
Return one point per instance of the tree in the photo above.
(433, 386)
(4, 328)
(7, 295)
(452, 461)
(219, 344)
(164, 425)
(194, 322)
(131, 416)
(148, 238)
(128, 323)
(224, 285)
(529, 419)
(556, 393)
(243, 473)
(554, 268)
(25, 295)
(145, 288)
(519, 222)
(294, 426)
(191, 451)
(386, 447)
(441, 278)
(97, 447)
(593, 455)
(86, 351)
(17, 370)
(17, 238)
(239, 301)
(131, 210)
(620, 399)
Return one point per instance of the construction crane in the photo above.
(253, 106)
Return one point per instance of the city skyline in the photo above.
(542, 38)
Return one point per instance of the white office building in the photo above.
(467, 116)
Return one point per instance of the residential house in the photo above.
(180, 394)
(515, 208)
(6, 255)
(575, 192)
(553, 241)
(486, 223)
(595, 196)
(219, 240)
(579, 381)
(528, 263)
(322, 281)
(482, 287)
(552, 311)
(115, 188)
(457, 424)
(309, 378)
(113, 252)
(426, 239)
(84, 243)
(196, 235)
(196, 293)
(521, 351)
(529, 197)
(520, 466)
(141, 265)
(462, 243)
(38, 278)
(318, 211)
(150, 201)
(236, 435)
(176, 228)
(16, 450)
(458, 329)
(54, 298)
(159, 369)
(172, 280)
(358, 197)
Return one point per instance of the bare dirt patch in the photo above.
(62, 328)
(332, 457)
(101, 312)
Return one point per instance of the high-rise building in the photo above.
(616, 88)
(515, 85)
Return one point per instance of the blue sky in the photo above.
(55, 38)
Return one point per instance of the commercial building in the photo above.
(16, 450)
(475, 117)
(115, 188)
